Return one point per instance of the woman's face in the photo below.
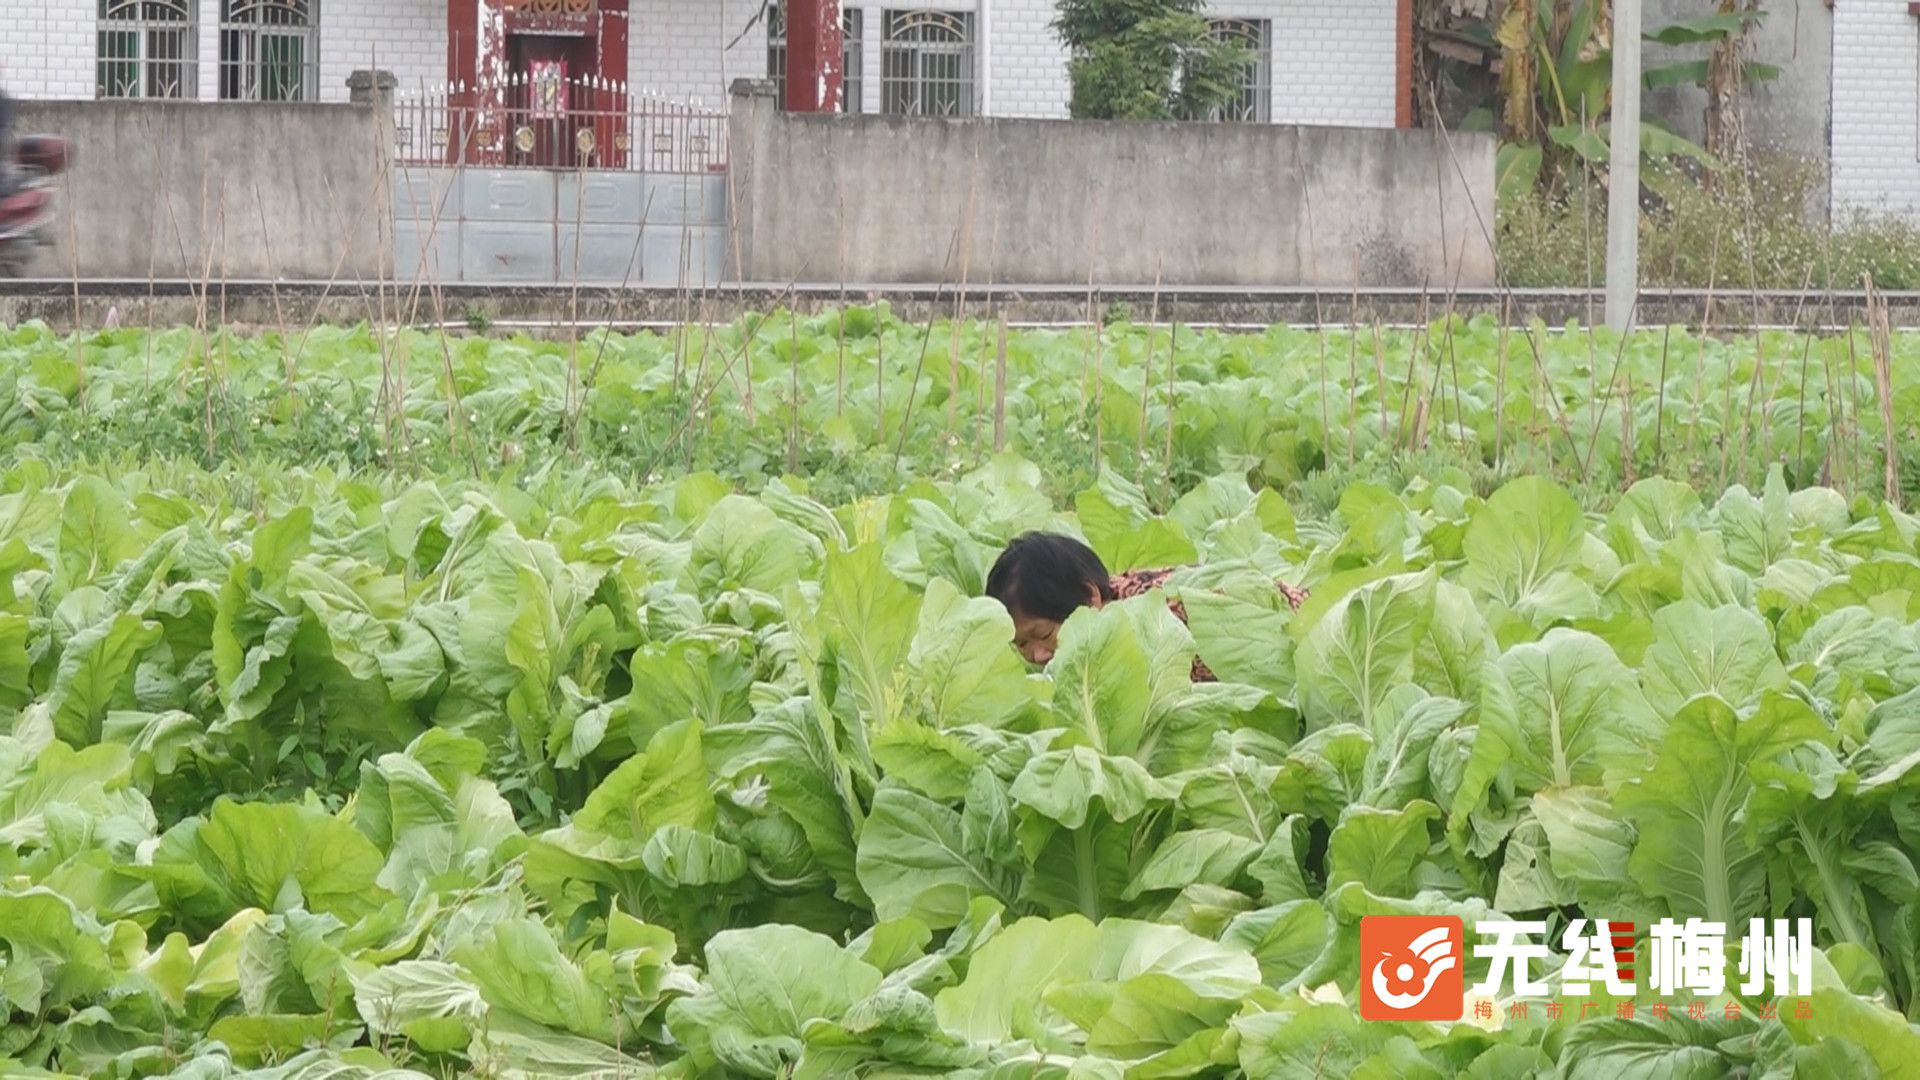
(1035, 638)
(1038, 639)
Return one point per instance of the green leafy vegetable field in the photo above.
(863, 403)
(439, 766)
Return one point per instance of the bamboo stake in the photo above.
(986, 344)
(1700, 359)
(1173, 396)
(1853, 387)
(73, 253)
(273, 276)
(1553, 399)
(1628, 450)
(1000, 389)
(573, 328)
(960, 295)
(1146, 385)
(1099, 393)
(1326, 423)
(1882, 341)
(1380, 381)
(1773, 394)
(1500, 387)
(1353, 373)
(1453, 347)
(793, 393)
(1606, 400)
(1420, 339)
(462, 434)
(840, 328)
(920, 365)
(1660, 408)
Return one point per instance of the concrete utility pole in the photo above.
(1623, 169)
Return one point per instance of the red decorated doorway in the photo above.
(544, 82)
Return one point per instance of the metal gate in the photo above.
(524, 184)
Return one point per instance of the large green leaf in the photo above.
(1104, 678)
(95, 532)
(58, 955)
(1882, 1035)
(1756, 531)
(427, 1001)
(1029, 963)
(1516, 171)
(432, 824)
(1380, 849)
(964, 668)
(1523, 552)
(277, 857)
(517, 966)
(1307, 1040)
(1064, 785)
(1682, 1048)
(1560, 712)
(1124, 532)
(764, 985)
(1693, 849)
(742, 545)
(1726, 651)
(1240, 631)
(1363, 648)
(665, 785)
(92, 674)
(1700, 28)
(869, 618)
(914, 861)
(1199, 856)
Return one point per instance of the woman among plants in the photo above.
(1042, 578)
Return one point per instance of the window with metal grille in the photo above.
(268, 51)
(852, 26)
(927, 63)
(1254, 103)
(145, 49)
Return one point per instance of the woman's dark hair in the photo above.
(1047, 576)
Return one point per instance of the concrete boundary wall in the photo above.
(560, 309)
(195, 190)
(1050, 202)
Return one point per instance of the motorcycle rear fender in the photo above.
(49, 154)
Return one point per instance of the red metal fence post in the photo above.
(814, 78)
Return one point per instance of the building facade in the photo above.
(1322, 62)
(1874, 129)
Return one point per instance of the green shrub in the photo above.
(1770, 232)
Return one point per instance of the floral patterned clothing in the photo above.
(1140, 582)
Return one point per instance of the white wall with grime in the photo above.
(1332, 62)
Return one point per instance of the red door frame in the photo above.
(478, 42)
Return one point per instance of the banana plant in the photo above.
(1556, 85)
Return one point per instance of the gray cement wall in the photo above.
(198, 190)
(569, 311)
(873, 198)
(1792, 114)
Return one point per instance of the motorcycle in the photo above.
(26, 215)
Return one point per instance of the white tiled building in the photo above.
(1875, 135)
(1337, 62)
